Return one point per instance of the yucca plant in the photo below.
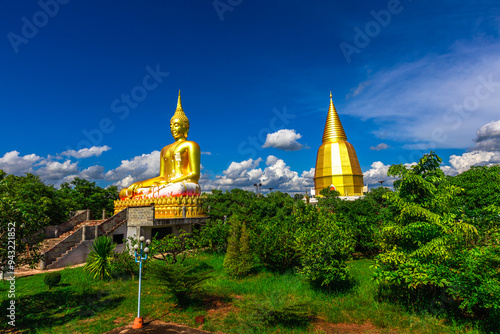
(99, 259)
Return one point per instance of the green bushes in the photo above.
(214, 235)
(279, 309)
(99, 260)
(183, 280)
(432, 251)
(239, 259)
(52, 279)
(323, 255)
(274, 243)
(123, 264)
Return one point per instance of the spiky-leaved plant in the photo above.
(99, 259)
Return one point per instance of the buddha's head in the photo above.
(179, 123)
(179, 127)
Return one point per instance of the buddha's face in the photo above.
(178, 129)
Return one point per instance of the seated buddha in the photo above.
(179, 165)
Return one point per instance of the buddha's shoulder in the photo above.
(180, 146)
(190, 144)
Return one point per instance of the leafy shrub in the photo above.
(183, 280)
(477, 284)
(435, 256)
(362, 217)
(277, 309)
(123, 264)
(239, 259)
(99, 259)
(215, 235)
(52, 279)
(173, 248)
(324, 248)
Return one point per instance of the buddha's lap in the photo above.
(174, 189)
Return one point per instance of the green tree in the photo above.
(239, 259)
(222, 205)
(81, 194)
(428, 251)
(324, 248)
(479, 200)
(214, 235)
(27, 205)
(173, 248)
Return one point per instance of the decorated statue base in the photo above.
(167, 207)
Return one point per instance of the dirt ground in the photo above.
(26, 271)
(157, 327)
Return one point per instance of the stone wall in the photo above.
(56, 230)
(111, 222)
(141, 216)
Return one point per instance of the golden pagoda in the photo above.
(337, 166)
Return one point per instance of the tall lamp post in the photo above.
(140, 255)
(257, 187)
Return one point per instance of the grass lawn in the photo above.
(83, 305)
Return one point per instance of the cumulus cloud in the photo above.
(461, 163)
(488, 137)
(136, 169)
(87, 152)
(377, 172)
(276, 175)
(13, 163)
(92, 173)
(284, 139)
(379, 147)
(54, 170)
(438, 101)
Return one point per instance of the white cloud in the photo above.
(92, 173)
(240, 168)
(488, 137)
(125, 182)
(378, 172)
(206, 153)
(12, 163)
(136, 169)
(54, 170)
(284, 139)
(276, 175)
(87, 152)
(379, 147)
(438, 101)
(461, 163)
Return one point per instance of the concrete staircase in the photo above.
(55, 249)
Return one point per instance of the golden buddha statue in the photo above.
(179, 165)
(337, 166)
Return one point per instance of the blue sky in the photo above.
(88, 88)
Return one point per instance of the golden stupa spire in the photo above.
(179, 103)
(179, 112)
(333, 127)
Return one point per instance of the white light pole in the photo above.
(139, 257)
